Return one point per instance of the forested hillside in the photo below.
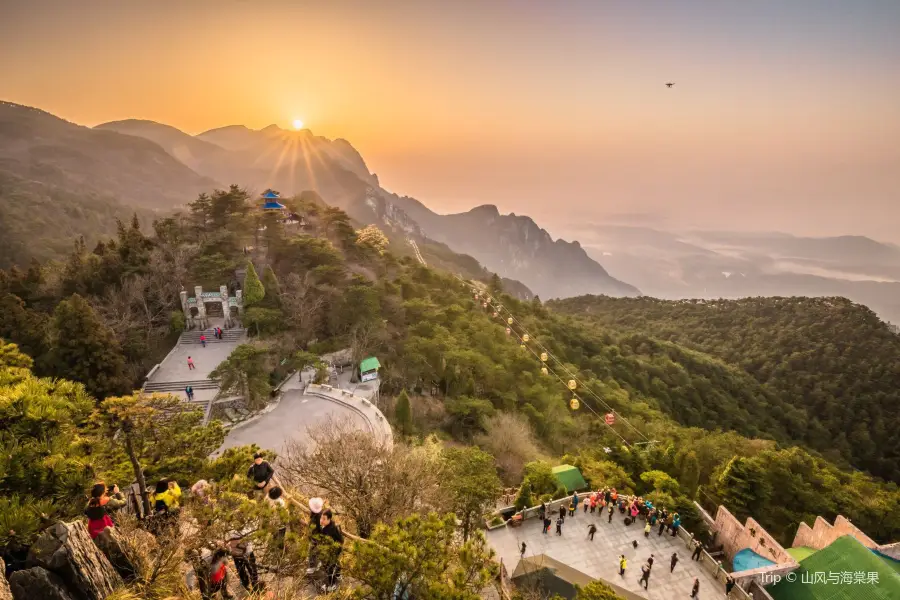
(330, 286)
(829, 369)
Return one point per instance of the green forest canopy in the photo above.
(715, 420)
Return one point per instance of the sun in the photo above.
(298, 124)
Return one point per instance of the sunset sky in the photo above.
(785, 114)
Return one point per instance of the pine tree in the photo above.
(421, 557)
(271, 287)
(471, 483)
(254, 291)
(245, 373)
(403, 413)
(43, 465)
(83, 349)
(597, 590)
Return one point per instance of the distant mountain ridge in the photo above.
(293, 161)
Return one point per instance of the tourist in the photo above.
(673, 562)
(190, 362)
(662, 527)
(333, 568)
(729, 585)
(547, 523)
(575, 499)
(647, 529)
(645, 576)
(562, 511)
(97, 513)
(189, 391)
(200, 491)
(610, 510)
(592, 529)
(203, 340)
(167, 497)
(275, 497)
(315, 528)
(522, 550)
(542, 511)
(586, 503)
(214, 578)
(676, 523)
(571, 508)
(698, 550)
(241, 551)
(696, 588)
(622, 564)
(593, 502)
(260, 471)
(650, 561)
(559, 524)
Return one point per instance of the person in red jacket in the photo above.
(99, 508)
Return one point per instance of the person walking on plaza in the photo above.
(586, 503)
(547, 523)
(696, 588)
(676, 523)
(559, 524)
(674, 561)
(662, 527)
(610, 511)
(622, 564)
(522, 550)
(647, 529)
(189, 392)
(203, 340)
(645, 576)
(650, 561)
(698, 549)
(592, 529)
(562, 512)
(190, 362)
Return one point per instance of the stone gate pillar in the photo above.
(201, 306)
(185, 308)
(239, 296)
(226, 310)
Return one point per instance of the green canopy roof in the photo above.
(369, 364)
(570, 477)
(830, 565)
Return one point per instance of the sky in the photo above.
(784, 115)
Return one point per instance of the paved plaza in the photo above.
(600, 558)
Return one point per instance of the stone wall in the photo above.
(735, 537)
(822, 533)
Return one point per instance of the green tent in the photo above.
(368, 368)
(844, 570)
(570, 477)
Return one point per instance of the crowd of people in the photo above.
(211, 569)
(606, 501)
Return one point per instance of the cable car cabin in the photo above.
(368, 369)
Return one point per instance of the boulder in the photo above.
(38, 583)
(5, 594)
(67, 550)
(115, 549)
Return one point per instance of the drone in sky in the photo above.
(670, 84)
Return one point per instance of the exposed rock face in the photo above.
(67, 550)
(115, 549)
(5, 594)
(38, 584)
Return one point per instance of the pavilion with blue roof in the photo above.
(271, 201)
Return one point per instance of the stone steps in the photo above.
(178, 386)
(228, 335)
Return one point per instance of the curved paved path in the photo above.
(289, 420)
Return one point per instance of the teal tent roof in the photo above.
(369, 364)
(570, 477)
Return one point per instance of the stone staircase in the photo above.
(178, 386)
(228, 335)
